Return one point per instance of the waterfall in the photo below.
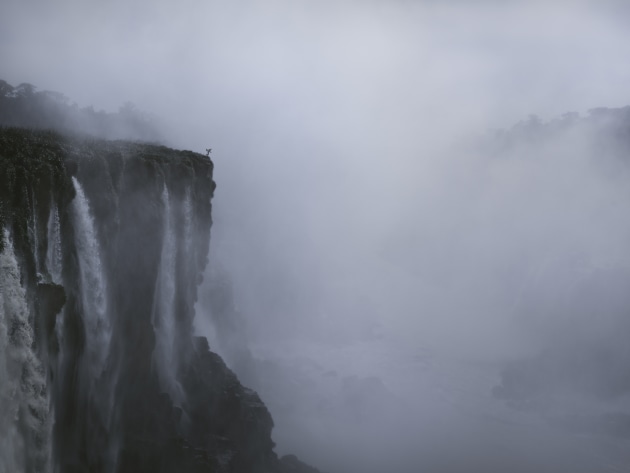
(93, 286)
(33, 235)
(188, 230)
(53, 254)
(163, 316)
(54, 258)
(25, 427)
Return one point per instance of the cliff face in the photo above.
(103, 247)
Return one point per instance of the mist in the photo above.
(385, 252)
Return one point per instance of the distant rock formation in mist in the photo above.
(102, 247)
(610, 128)
(581, 308)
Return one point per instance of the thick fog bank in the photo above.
(460, 251)
(469, 312)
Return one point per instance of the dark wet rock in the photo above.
(291, 464)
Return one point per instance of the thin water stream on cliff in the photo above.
(93, 284)
(53, 254)
(163, 316)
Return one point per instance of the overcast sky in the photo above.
(303, 60)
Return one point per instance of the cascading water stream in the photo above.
(163, 316)
(54, 260)
(98, 331)
(25, 426)
(33, 234)
(93, 284)
(188, 231)
(53, 254)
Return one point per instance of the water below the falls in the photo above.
(380, 407)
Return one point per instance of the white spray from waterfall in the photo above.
(93, 286)
(163, 317)
(25, 426)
